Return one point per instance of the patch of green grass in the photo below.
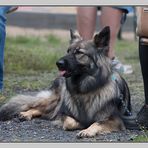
(53, 40)
(26, 55)
(24, 40)
(142, 138)
(127, 51)
(17, 82)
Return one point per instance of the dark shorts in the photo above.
(124, 9)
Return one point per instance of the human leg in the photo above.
(86, 21)
(3, 11)
(141, 119)
(113, 16)
(142, 116)
(2, 45)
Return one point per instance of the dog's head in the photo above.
(84, 57)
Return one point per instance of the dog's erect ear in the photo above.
(102, 38)
(74, 36)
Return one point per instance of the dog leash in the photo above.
(121, 101)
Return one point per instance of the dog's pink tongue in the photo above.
(62, 72)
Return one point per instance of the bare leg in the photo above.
(111, 17)
(86, 21)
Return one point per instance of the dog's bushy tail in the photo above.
(48, 101)
(19, 103)
(16, 104)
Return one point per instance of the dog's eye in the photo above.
(79, 51)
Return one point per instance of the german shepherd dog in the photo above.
(88, 95)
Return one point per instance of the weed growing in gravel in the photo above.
(142, 138)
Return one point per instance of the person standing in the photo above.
(110, 16)
(3, 11)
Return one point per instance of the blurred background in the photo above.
(57, 20)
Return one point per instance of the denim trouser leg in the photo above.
(2, 45)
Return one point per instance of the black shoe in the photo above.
(142, 117)
(138, 122)
(130, 122)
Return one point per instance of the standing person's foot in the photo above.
(138, 122)
(142, 117)
(118, 66)
(130, 122)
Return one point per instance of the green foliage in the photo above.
(127, 51)
(31, 54)
(142, 138)
(53, 40)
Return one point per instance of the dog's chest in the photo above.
(90, 107)
(81, 107)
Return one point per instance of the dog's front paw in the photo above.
(25, 116)
(71, 124)
(86, 134)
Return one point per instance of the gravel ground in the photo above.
(38, 130)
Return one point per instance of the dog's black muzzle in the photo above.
(64, 67)
(68, 66)
(61, 64)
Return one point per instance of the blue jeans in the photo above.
(3, 11)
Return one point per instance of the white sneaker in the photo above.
(118, 66)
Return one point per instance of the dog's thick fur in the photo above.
(89, 95)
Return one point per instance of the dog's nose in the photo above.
(60, 63)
